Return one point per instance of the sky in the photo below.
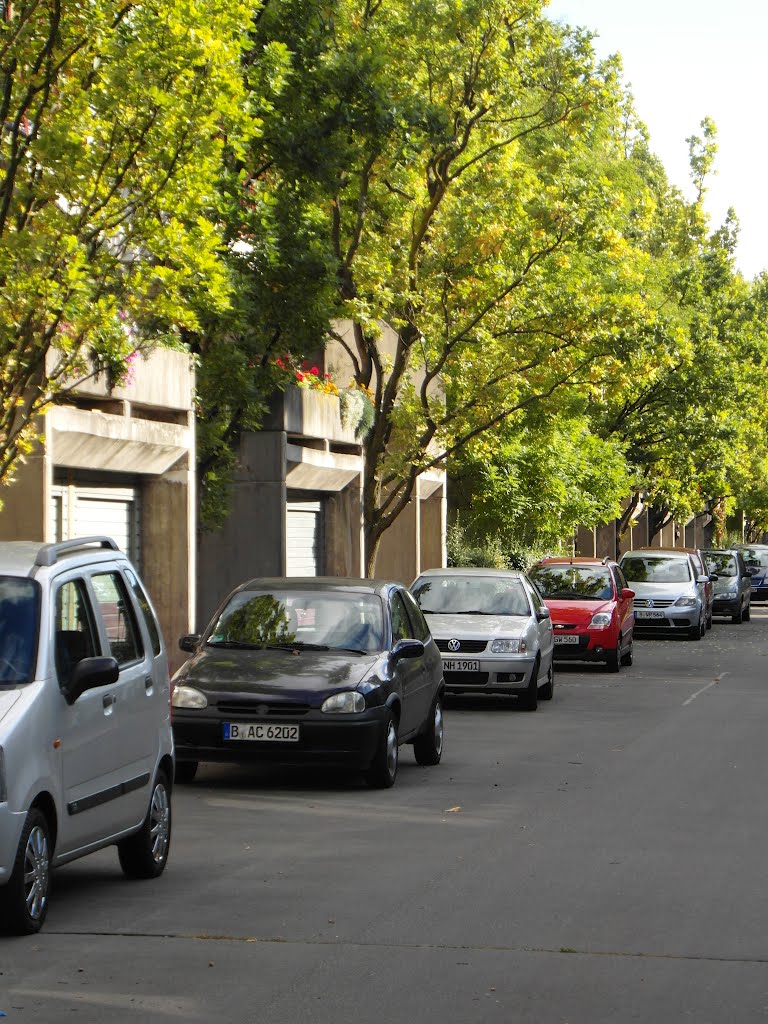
(689, 59)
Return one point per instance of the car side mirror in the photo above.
(714, 577)
(88, 674)
(627, 594)
(407, 649)
(751, 570)
(189, 642)
(542, 614)
(702, 579)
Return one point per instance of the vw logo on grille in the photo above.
(650, 603)
(262, 709)
(454, 645)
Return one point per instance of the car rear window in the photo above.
(19, 617)
(573, 582)
(655, 569)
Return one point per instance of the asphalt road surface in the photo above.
(601, 860)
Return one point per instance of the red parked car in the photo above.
(591, 607)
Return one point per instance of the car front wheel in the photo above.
(383, 768)
(145, 854)
(24, 898)
(428, 747)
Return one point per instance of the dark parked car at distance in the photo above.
(733, 587)
(319, 670)
(756, 559)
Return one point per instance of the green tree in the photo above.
(112, 121)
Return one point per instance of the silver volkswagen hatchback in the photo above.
(86, 750)
(670, 591)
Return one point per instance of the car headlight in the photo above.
(509, 646)
(732, 588)
(348, 703)
(3, 788)
(188, 697)
(600, 620)
(687, 602)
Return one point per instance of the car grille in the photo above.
(252, 708)
(465, 646)
(468, 678)
(658, 602)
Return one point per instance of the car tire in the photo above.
(613, 659)
(185, 771)
(24, 897)
(529, 700)
(382, 771)
(428, 747)
(747, 613)
(547, 691)
(738, 618)
(627, 656)
(697, 632)
(145, 854)
(709, 621)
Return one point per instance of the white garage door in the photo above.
(304, 533)
(94, 511)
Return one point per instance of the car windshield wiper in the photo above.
(298, 644)
(234, 643)
(352, 650)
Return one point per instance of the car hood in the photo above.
(7, 699)
(478, 626)
(672, 590)
(724, 583)
(578, 613)
(267, 672)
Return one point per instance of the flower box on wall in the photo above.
(308, 413)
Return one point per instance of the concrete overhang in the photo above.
(84, 439)
(309, 469)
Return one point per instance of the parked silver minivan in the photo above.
(86, 749)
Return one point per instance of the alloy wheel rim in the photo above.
(160, 823)
(439, 728)
(36, 873)
(391, 750)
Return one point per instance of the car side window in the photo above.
(118, 616)
(401, 627)
(415, 614)
(74, 633)
(621, 583)
(149, 616)
(535, 598)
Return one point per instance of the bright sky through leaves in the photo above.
(684, 60)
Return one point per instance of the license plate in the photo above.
(456, 665)
(643, 614)
(261, 731)
(566, 639)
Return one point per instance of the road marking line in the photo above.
(704, 689)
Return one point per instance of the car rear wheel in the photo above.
(145, 854)
(24, 898)
(185, 771)
(428, 747)
(383, 769)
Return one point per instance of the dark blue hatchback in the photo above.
(756, 559)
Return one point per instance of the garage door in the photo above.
(304, 535)
(91, 511)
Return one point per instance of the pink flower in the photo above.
(314, 370)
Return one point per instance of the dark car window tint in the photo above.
(722, 563)
(118, 616)
(573, 582)
(621, 582)
(149, 618)
(19, 616)
(418, 622)
(401, 627)
(755, 557)
(74, 633)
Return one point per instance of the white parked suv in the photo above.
(86, 749)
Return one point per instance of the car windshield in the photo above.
(721, 563)
(327, 619)
(655, 569)
(471, 595)
(573, 582)
(19, 615)
(755, 556)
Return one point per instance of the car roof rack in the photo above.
(49, 554)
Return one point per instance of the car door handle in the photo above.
(109, 700)
(149, 682)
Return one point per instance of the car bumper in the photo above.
(11, 826)
(500, 674)
(759, 592)
(673, 619)
(726, 605)
(323, 739)
(588, 646)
